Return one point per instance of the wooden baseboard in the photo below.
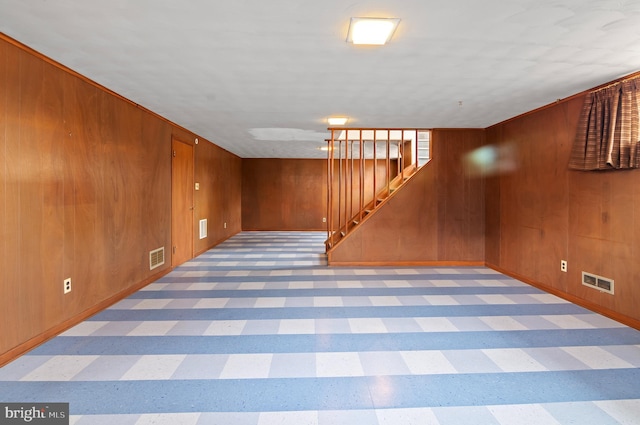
(618, 317)
(40, 339)
(406, 263)
(249, 229)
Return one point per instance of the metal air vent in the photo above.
(603, 284)
(203, 228)
(156, 258)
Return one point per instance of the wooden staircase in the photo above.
(365, 167)
(380, 199)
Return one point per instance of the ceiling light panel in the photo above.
(372, 31)
(337, 120)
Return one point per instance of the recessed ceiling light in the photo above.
(376, 31)
(338, 120)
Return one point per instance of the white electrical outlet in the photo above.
(324, 219)
(225, 224)
(563, 266)
(67, 285)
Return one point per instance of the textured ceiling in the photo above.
(259, 78)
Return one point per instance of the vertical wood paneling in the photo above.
(438, 216)
(31, 206)
(492, 210)
(460, 196)
(130, 165)
(9, 194)
(51, 157)
(534, 196)
(85, 192)
(404, 230)
(86, 246)
(156, 203)
(120, 134)
(602, 235)
(232, 193)
(283, 194)
(549, 213)
(207, 169)
(262, 196)
(12, 295)
(4, 287)
(219, 199)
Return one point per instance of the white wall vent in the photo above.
(156, 258)
(203, 228)
(603, 284)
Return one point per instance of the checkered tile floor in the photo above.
(260, 331)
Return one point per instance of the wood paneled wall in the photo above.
(436, 218)
(219, 199)
(284, 194)
(291, 194)
(85, 193)
(543, 213)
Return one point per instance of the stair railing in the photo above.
(364, 166)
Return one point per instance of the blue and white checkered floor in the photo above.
(260, 331)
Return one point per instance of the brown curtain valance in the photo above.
(608, 134)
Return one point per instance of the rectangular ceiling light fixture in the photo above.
(338, 120)
(373, 31)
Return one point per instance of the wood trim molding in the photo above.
(40, 339)
(457, 129)
(252, 229)
(409, 264)
(626, 320)
(566, 99)
(99, 86)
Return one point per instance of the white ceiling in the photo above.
(260, 77)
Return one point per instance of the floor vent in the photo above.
(156, 258)
(603, 284)
(203, 228)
